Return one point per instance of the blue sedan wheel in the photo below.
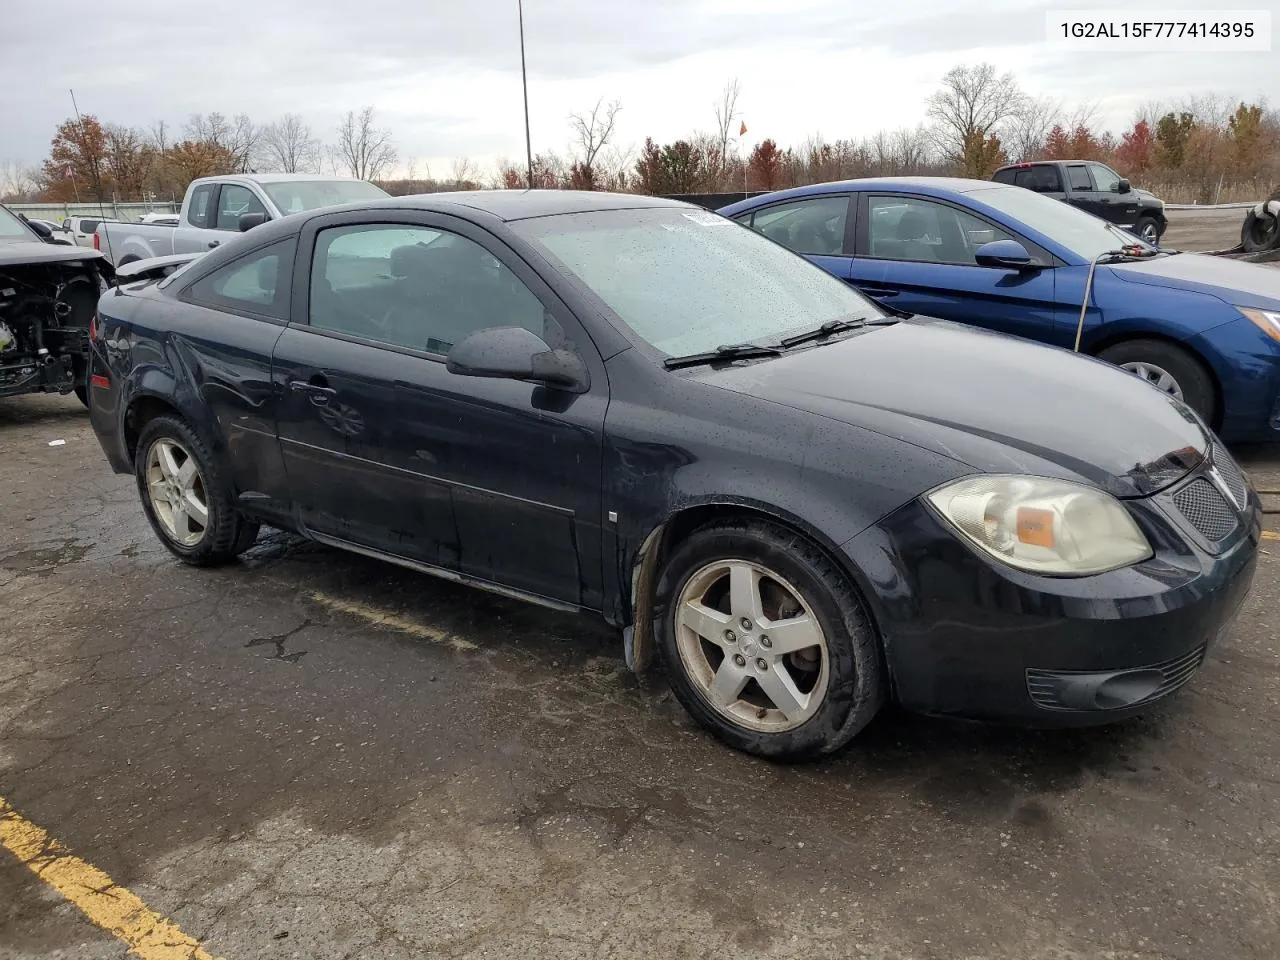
(1170, 369)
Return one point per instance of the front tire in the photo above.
(1148, 228)
(186, 497)
(765, 642)
(1169, 368)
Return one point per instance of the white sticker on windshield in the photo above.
(707, 219)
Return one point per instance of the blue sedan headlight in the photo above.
(1266, 320)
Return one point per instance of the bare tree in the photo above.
(288, 146)
(239, 136)
(363, 151)
(593, 131)
(1029, 125)
(158, 136)
(726, 113)
(17, 182)
(464, 172)
(970, 110)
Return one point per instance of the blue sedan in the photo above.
(1204, 329)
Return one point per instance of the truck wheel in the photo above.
(186, 496)
(765, 641)
(1169, 368)
(1148, 228)
(127, 260)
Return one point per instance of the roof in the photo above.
(526, 204)
(275, 177)
(936, 186)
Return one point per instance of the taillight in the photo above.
(97, 244)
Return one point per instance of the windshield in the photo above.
(11, 228)
(295, 196)
(1082, 233)
(688, 281)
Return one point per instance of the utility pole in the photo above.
(524, 82)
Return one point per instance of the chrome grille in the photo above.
(1206, 509)
(1046, 686)
(1232, 477)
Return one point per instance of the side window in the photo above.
(1106, 179)
(1041, 179)
(257, 283)
(1078, 177)
(906, 228)
(234, 202)
(198, 207)
(814, 225)
(1006, 175)
(414, 287)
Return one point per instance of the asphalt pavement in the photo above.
(310, 754)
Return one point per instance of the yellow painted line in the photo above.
(1270, 535)
(148, 935)
(381, 618)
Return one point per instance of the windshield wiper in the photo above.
(832, 327)
(731, 351)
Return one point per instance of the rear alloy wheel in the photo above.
(1168, 368)
(765, 641)
(188, 503)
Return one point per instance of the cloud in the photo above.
(444, 76)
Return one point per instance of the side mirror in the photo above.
(1122, 186)
(250, 220)
(1006, 254)
(40, 228)
(514, 353)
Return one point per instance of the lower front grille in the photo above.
(1206, 509)
(1110, 689)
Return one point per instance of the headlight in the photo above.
(1267, 320)
(1042, 525)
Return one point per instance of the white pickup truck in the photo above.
(217, 206)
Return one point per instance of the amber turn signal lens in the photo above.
(1035, 527)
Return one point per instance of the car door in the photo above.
(917, 254)
(819, 227)
(1082, 192)
(1114, 206)
(491, 479)
(193, 235)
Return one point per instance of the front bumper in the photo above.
(967, 636)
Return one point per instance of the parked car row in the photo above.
(808, 491)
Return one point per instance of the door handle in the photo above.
(213, 243)
(318, 391)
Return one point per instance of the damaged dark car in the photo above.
(48, 295)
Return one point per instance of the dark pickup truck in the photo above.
(1093, 187)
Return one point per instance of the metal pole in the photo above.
(524, 82)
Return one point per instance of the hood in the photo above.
(998, 404)
(37, 251)
(1238, 283)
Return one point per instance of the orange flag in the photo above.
(742, 129)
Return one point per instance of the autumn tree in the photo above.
(238, 136)
(363, 151)
(1172, 133)
(192, 159)
(76, 164)
(1245, 131)
(1135, 154)
(764, 168)
(1029, 126)
(971, 109)
(289, 146)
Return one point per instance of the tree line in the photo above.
(1208, 149)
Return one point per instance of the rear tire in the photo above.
(805, 691)
(1150, 359)
(186, 496)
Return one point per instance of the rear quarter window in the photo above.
(1003, 176)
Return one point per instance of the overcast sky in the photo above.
(443, 75)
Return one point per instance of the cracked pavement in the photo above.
(315, 755)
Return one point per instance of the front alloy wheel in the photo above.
(766, 641)
(752, 645)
